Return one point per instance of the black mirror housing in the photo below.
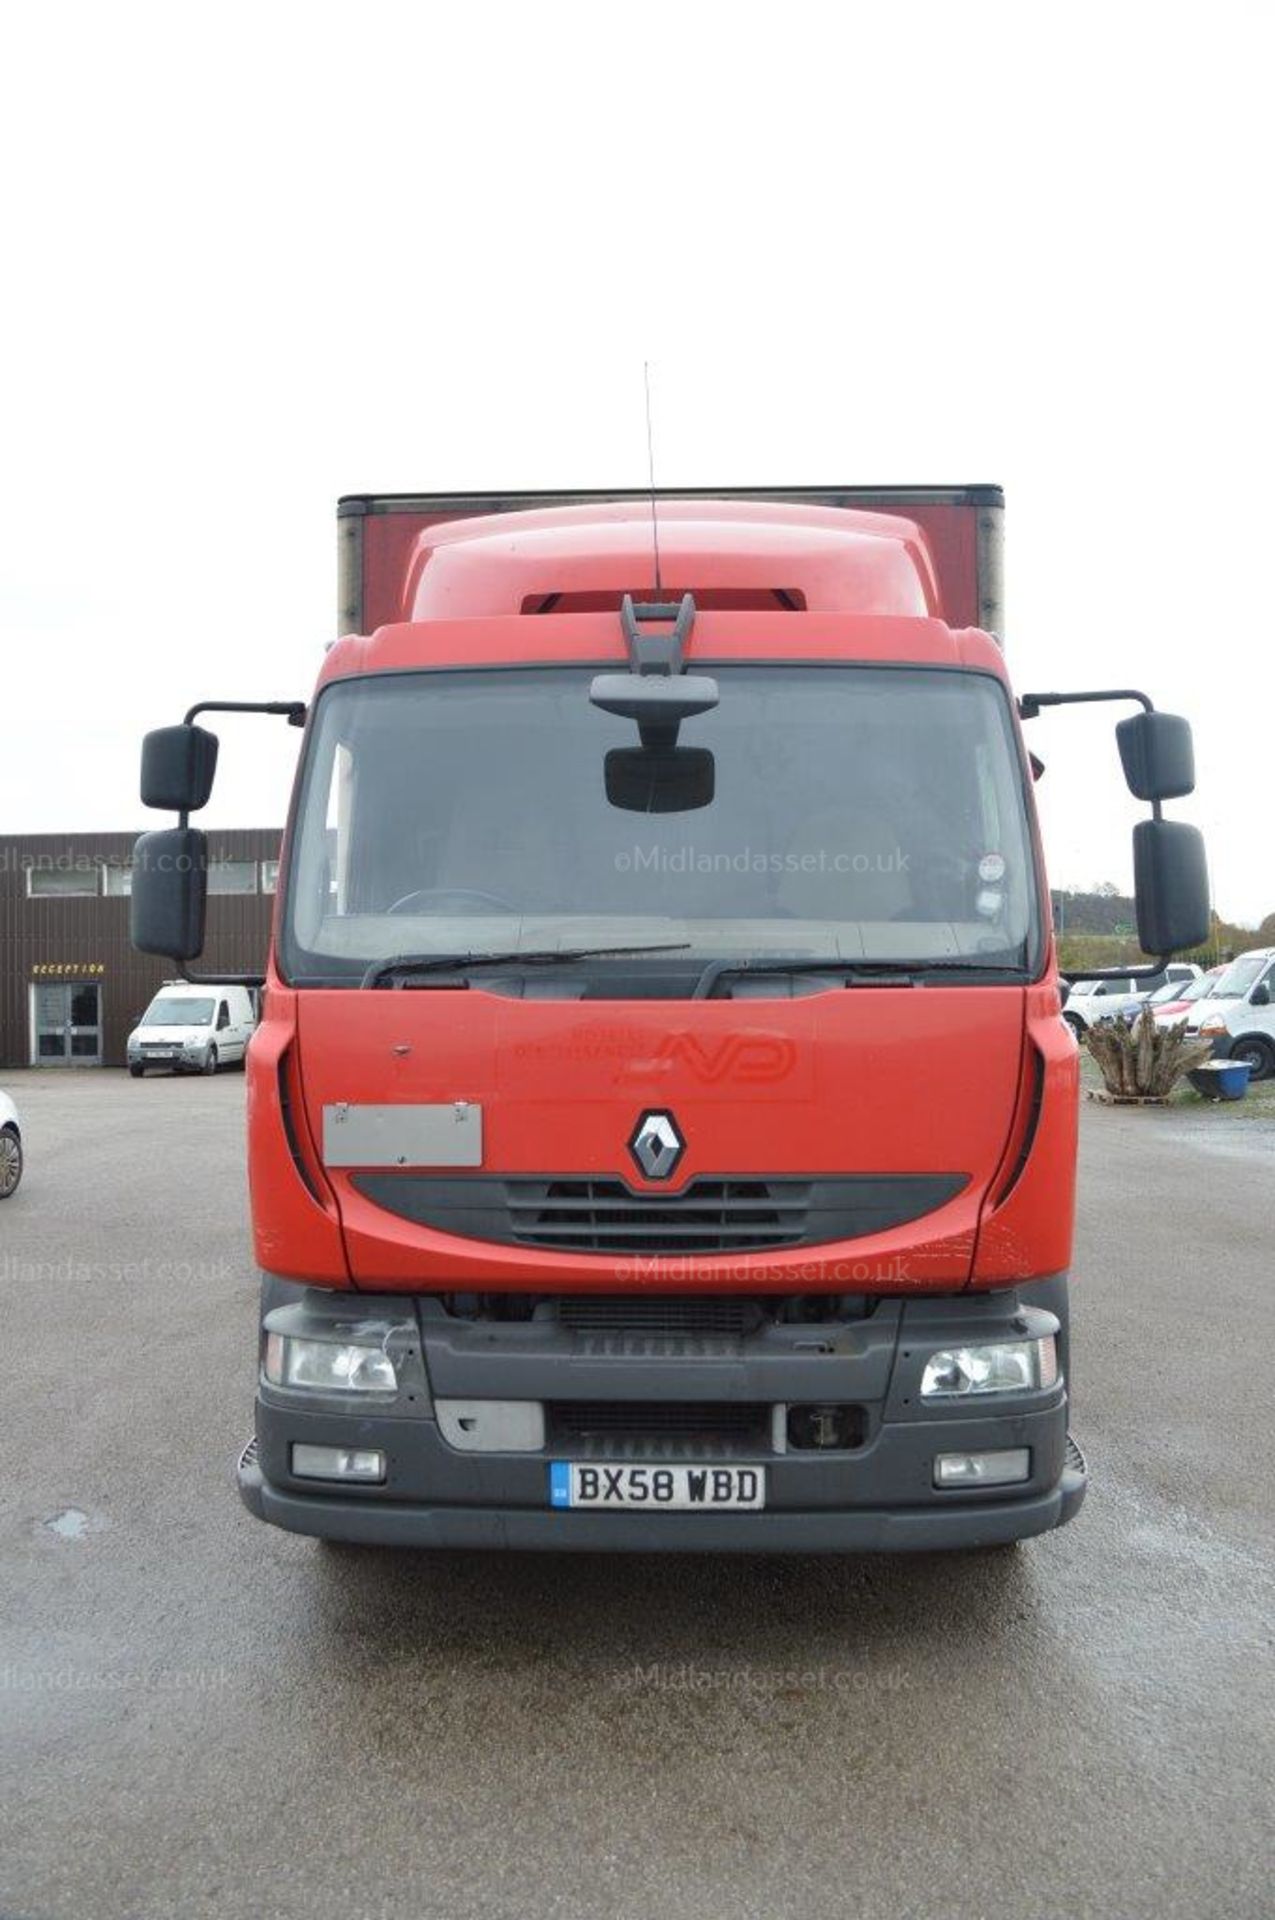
(170, 892)
(1157, 754)
(660, 779)
(1260, 996)
(1171, 886)
(178, 764)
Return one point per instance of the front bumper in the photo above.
(877, 1495)
(863, 1530)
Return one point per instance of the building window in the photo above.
(270, 876)
(119, 880)
(68, 879)
(232, 876)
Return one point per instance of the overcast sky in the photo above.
(258, 256)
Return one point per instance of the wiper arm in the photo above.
(412, 963)
(886, 970)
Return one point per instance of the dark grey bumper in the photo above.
(875, 1494)
(865, 1530)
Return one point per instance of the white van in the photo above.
(193, 1029)
(1093, 1000)
(1239, 1014)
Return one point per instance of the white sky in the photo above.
(258, 256)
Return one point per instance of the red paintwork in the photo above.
(390, 542)
(512, 563)
(589, 637)
(892, 1080)
(869, 1081)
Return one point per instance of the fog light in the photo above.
(982, 1469)
(1004, 1366)
(338, 1463)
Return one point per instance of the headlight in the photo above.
(1213, 1026)
(1009, 1366)
(329, 1366)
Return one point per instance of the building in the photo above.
(71, 985)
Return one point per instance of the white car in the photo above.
(10, 1148)
(193, 1029)
(1239, 1014)
(1092, 1000)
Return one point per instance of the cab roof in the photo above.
(737, 554)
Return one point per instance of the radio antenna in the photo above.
(650, 464)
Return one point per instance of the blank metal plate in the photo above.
(446, 1135)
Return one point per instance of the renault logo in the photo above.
(656, 1145)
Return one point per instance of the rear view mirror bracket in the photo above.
(1171, 888)
(170, 867)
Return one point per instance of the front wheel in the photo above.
(1258, 1054)
(210, 1060)
(1076, 1024)
(10, 1161)
(136, 1073)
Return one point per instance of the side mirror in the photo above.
(660, 780)
(178, 764)
(1170, 884)
(170, 891)
(1158, 756)
(1260, 996)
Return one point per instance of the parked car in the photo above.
(1092, 1000)
(1239, 1015)
(192, 1029)
(10, 1148)
(1174, 1002)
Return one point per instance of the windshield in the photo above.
(1240, 976)
(1201, 989)
(857, 813)
(175, 1010)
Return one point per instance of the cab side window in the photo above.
(223, 1016)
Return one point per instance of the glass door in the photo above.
(67, 1017)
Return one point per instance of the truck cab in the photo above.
(661, 1126)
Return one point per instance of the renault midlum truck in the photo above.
(661, 1128)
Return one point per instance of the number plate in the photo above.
(663, 1489)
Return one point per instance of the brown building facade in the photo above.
(71, 985)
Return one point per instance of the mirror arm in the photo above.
(1116, 973)
(259, 979)
(295, 710)
(1030, 704)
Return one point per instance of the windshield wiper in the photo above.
(412, 963)
(889, 972)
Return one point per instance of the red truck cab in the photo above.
(661, 1128)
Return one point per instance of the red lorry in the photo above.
(662, 1131)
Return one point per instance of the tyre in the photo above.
(1258, 1052)
(210, 1060)
(136, 1072)
(10, 1161)
(1076, 1024)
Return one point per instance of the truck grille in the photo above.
(659, 1314)
(600, 1216)
(654, 1424)
(717, 1214)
